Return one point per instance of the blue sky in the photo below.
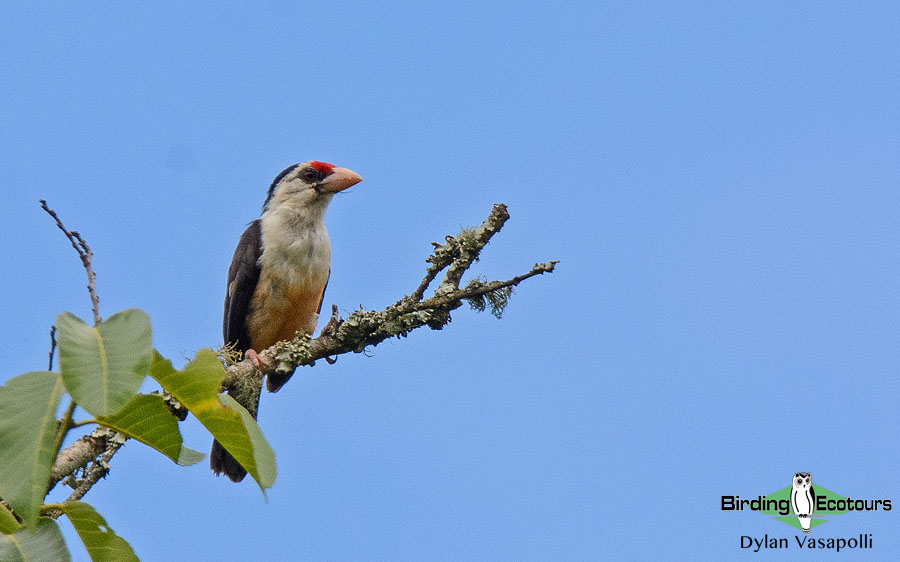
(719, 183)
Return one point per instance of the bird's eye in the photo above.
(310, 175)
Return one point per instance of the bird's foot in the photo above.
(253, 356)
(334, 322)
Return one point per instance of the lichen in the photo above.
(469, 239)
(497, 299)
(289, 354)
(229, 354)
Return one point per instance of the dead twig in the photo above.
(85, 253)
(52, 347)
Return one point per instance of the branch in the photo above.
(85, 253)
(99, 467)
(90, 454)
(78, 455)
(64, 425)
(369, 328)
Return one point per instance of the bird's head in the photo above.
(309, 184)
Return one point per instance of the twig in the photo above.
(459, 253)
(85, 253)
(100, 467)
(441, 258)
(52, 347)
(65, 424)
(471, 243)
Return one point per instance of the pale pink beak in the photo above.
(338, 180)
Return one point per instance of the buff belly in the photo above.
(279, 308)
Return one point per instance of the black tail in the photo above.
(275, 381)
(221, 462)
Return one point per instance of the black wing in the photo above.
(325, 288)
(243, 275)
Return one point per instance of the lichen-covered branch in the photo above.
(78, 454)
(99, 466)
(363, 328)
(90, 455)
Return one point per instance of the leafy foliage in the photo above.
(104, 366)
(28, 406)
(45, 544)
(197, 388)
(8, 523)
(100, 541)
(102, 369)
(147, 419)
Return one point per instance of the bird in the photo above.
(803, 499)
(279, 272)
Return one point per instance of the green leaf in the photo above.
(44, 545)
(197, 388)
(28, 405)
(189, 457)
(100, 541)
(147, 419)
(104, 366)
(8, 523)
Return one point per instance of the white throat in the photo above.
(295, 242)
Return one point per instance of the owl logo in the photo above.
(803, 498)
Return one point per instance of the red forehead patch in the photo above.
(323, 167)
